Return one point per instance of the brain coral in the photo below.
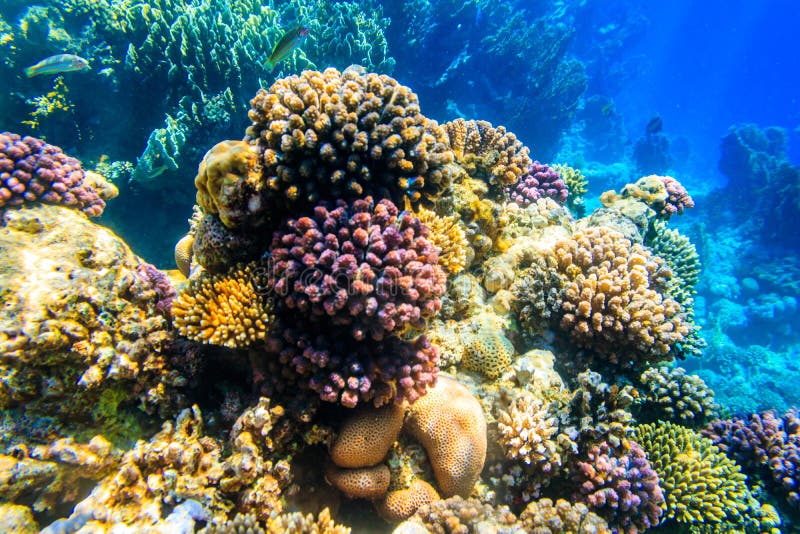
(341, 370)
(618, 483)
(539, 182)
(449, 422)
(402, 503)
(700, 483)
(610, 304)
(766, 446)
(230, 310)
(31, 170)
(329, 135)
(489, 153)
(362, 266)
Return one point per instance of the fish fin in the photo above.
(30, 72)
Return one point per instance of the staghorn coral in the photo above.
(672, 395)
(541, 181)
(700, 484)
(617, 482)
(562, 517)
(341, 370)
(766, 446)
(577, 184)
(611, 304)
(488, 153)
(449, 422)
(329, 135)
(80, 329)
(363, 266)
(527, 433)
(32, 170)
(448, 236)
(229, 310)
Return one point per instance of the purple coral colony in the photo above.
(374, 315)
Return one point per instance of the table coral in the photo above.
(81, 321)
(230, 310)
(540, 181)
(329, 135)
(766, 446)
(617, 483)
(364, 266)
(488, 153)
(701, 484)
(670, 394)
(32, 170)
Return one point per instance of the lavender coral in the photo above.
(766, 446)
(619, 484)
(32, 170)
(541, 181)
(363, 266)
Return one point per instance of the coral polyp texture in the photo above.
(327, 135)
(341, 370)
(486, 152)
(767, 447)
(539, 182)
(611, 303)
(364, 267)
(618, 483)
(32, 170)
(700, 483)
(230, 310)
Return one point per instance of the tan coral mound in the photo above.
(183, 254)
(365, 437)
(228, 174)
(229, 310)
(611, 303)
(338, 134)
(447, 235)
(402, 503)
(488, 152)
(449, 422)
(360, 483)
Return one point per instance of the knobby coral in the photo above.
(363, 266)
(670, 394)
(231, 310)
(539, 182)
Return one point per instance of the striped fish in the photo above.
(286, 44)
(57, 64)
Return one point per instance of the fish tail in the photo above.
(30, 72)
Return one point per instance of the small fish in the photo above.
(286, 44)
(355, 69)
(57, 64)
(655, 125)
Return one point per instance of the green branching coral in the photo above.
(681, 257)
(577, 185)
(700, 483)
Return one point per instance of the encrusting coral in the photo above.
(364, 266)
(486, 349)
(486, 152)
(229, 310)
(32, 170)
(700, 484)
(328, 135)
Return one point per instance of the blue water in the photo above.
(706, 92)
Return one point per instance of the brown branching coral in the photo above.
(228, 310)
(448, 236)
(488, 153)
(610, 304)
(327, 135)
(527, 433)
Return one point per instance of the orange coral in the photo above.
(360, 483)
(183, 254)
(227, 310)
(447, 235)
(401, 504)
(365, 437)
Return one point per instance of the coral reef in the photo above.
(618, 483)
(458, 514)
(526, 433)
(364, 266)
(541, 181)
(329, 135)
(766, 446)
(80, 329)
(562, 517)
(32, 170)
(700, 484)
(488, 153)
(448, 236)
(670, 394)
(663, 194)
(229, 310)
